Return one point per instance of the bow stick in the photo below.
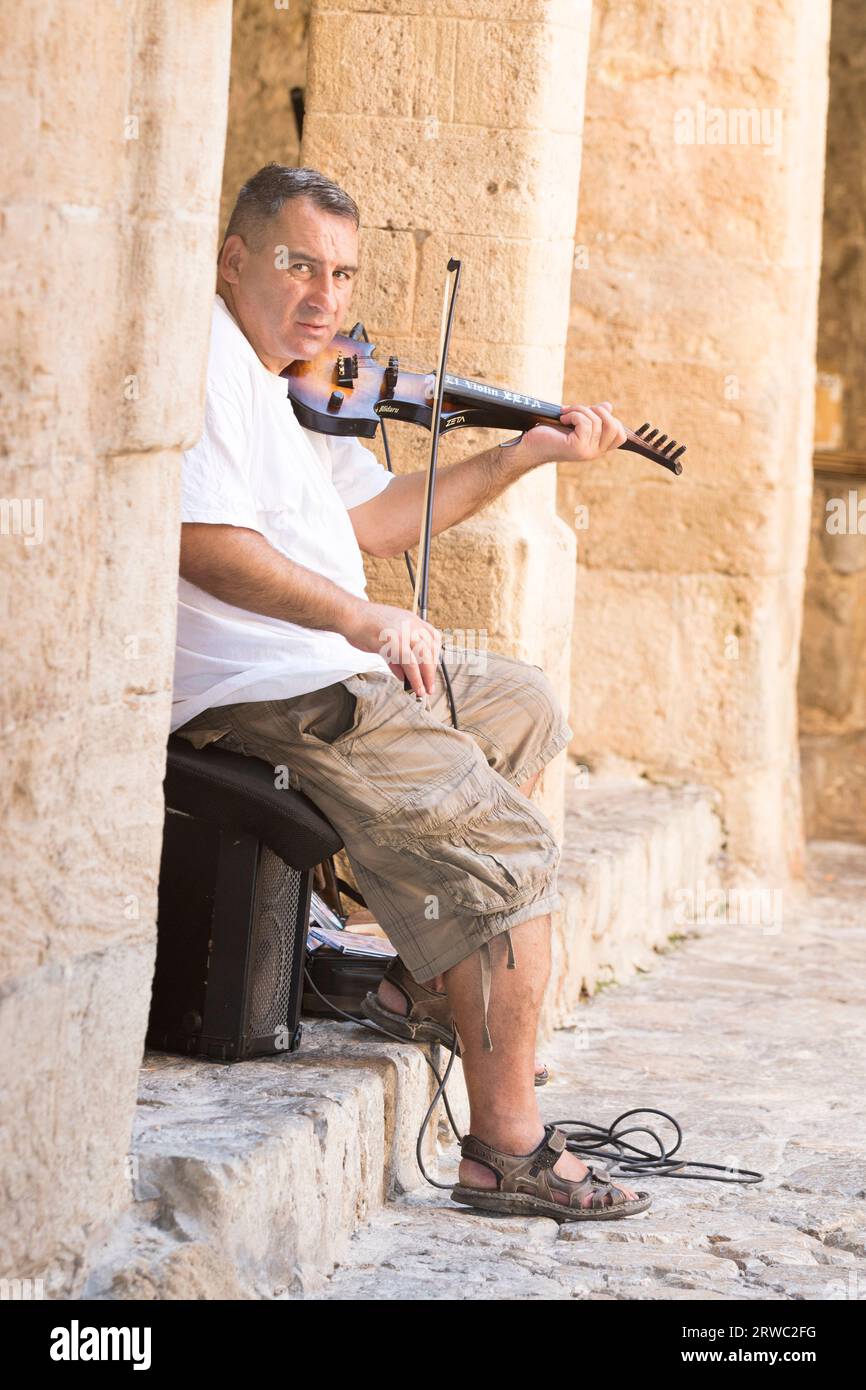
(422, 575)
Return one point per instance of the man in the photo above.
(281, 655)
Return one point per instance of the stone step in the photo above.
(633, 855)
(249, 1180)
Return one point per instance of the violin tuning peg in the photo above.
(680, 451)
(649, 438)
(660, 441)
(642, 428)
(669, 446)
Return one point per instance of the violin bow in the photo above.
(422, 574)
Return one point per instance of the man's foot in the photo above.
(568, 1165)
(394, 1000)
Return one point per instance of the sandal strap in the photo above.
(511, 1167)
(422, 1003)
(533, 1173)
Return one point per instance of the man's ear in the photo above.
(232, 258)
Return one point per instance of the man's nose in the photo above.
(323, 296)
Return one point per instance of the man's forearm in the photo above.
(240, 567)
(461, 489)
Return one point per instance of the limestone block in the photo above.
(498, 67)
(383, 301)
(834, 785)
(763, 819)
(832, 682)
(689, 673)
(698, 374)
(699, 303)
(140, 176)
(94, 595)
(82, 836)
(266, 1167)
(631, 853)
(501, 272)
(673, 525)
(526, 167)
(74, 1033)
(411, 55)
(569, 13)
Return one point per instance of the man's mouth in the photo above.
(314, 327)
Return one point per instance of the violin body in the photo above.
(345, 391)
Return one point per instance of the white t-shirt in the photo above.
(256, 467)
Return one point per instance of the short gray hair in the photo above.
(263, 197)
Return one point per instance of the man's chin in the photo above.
(308, 345)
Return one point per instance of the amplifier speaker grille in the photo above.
(278, 891)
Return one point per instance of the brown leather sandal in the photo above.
(429, 1017)
(526, 1183)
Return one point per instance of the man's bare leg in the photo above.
(502, 1097)
(396, 1002)
(503, 1108)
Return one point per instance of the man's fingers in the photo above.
(419, 656)
(614, 432)
(412, 674)
(596, 428)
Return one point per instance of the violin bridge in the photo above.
(347, 369)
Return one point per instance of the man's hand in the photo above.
(586, 433)
(410, 645)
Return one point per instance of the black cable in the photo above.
(584, 1143)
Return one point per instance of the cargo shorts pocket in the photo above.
(483, 845)
(331, 715)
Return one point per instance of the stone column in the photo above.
(833, 653)
(457, 128)
(694, 307)
(114, 155)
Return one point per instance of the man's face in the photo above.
(292, 294)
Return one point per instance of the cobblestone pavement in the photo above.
(753, 1038)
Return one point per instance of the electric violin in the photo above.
(344, 390)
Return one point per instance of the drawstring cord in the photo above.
(486, 1040)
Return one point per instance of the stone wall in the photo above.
(833, 656)
(115, 125)
(694, 307)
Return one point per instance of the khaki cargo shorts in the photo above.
(445, 849)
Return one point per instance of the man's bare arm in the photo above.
(391, 522)
(242, 568)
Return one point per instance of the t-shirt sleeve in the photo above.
(217, 484)
(356, 473)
